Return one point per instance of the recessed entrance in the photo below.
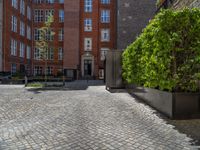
(87, 67)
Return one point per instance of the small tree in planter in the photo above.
(166, 56)
(43, 44)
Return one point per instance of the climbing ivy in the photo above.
(167, 53)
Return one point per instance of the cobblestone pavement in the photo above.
(89, 119)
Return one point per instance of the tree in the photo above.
(43, 43)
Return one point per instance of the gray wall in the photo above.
(133, 16)
(1, 26)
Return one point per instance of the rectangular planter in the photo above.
(173, 105)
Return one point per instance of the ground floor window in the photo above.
(13, 68)
(49, 70)
(37, 70)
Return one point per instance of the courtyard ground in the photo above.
(82, 117)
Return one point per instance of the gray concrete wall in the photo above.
(1, 30)
(133, 16)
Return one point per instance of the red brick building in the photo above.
(17, 36)
(84, 31)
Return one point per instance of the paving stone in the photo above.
(77, 118)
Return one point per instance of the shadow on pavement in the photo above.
(191, 127)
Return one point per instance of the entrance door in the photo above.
(87, 67)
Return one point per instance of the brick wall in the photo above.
(179, 4)
(133, 16)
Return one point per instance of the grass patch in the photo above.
(35, 85)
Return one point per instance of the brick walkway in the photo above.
(88, 118)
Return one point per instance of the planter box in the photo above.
(174, 105)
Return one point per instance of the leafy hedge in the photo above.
(167, 53)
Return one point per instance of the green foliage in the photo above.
(167, 53)
(35, 85)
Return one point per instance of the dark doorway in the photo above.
(87, 67)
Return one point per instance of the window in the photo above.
(13, 47)
(22, 7)
(13, 68)
(28, 12)
(22, 28)
(15, 3)
(38, 15)
(28, 32)
(61, 1)
(88, 5)
(37, 70)
(37, 55)
(105, 16)
(104, 52)
(49, 70)
(38, 1)
(61, 15)
(61, 35)
(50, 54)
(21, 50)
(105, 35)
(88, 24)
(88, 44)
(49, 12)
(60, 53)
(36, 34)
(49, 1)
(105, 1)
(49, 35)
(28, 52)
(14, 24)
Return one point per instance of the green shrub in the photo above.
(167, 53)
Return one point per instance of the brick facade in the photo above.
(54, 63)
(22, 64)
(133, 16)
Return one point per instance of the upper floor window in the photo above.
(36, 34)
(88, 24)
(13, 47)
(28, 12)
(48, 12)
(61, 15)
(14, 24)
(50, 1)
(88, 5)
(105, 35)
(22, 7)
(38, 15)
(22, 28)
(38, 1)
(21, 50)
(60, 53)
(28, 32)
(105, 16)
(61, 34)
(105, 1)
(61, 1)
(88, 44)
(15, 4)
